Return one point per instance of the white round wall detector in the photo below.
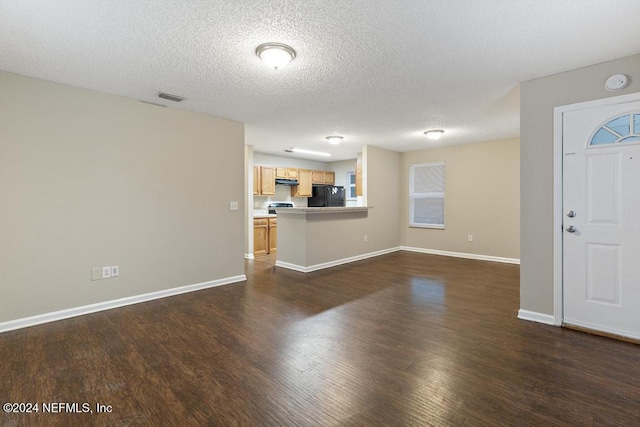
(616, 82)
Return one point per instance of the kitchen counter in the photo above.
(265, 216)
(312, 238)
(312, 210)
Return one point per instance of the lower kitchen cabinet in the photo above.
(265, 236)
(273, 235)
(260, 236)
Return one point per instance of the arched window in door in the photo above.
(621, 129)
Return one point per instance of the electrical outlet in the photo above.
(106, 272)
(470, 237)
(233, 206)
(96, 273)
(366, 238)
(115, 271)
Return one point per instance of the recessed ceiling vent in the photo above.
(174, 98)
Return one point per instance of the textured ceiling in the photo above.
(378, 72)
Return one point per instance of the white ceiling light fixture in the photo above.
(275, 55)
(303, 151)
(434, 134)
(334, 139)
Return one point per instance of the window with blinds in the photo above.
(426, 195)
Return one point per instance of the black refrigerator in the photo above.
(326, 196)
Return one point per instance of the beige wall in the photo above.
(288, 162)
(341, 168)
(538, 98)
(382, 181)
(482, 199)
(89, 180)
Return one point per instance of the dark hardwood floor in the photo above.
(401, 339)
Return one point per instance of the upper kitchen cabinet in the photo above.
(329, 178)
(256, 181)
(303, 189)
(323, 177)
(359, 191)
(317, 177)
(286, 173)
(264, 180)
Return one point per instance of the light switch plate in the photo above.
(115, 271)
(96, 273)
(233, 206)
(106, 272)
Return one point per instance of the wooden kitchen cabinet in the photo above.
(256, 181)
(273, 235)
(303, 189)
(323, 177)
(264, 180)
(265, 236)
(317, 177)
(359, 191)
(260, 236)
(329, 178)
(286, 173)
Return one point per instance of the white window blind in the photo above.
(426, 195)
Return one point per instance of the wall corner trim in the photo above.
(337, 262)
(108, 305)
(534, 316)
(461, 255)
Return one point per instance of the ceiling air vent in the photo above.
(174, 98)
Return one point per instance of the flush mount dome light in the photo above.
(434, 134)
(275, 55)
(334, 139)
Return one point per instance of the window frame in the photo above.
(349, 186)
(432, 195)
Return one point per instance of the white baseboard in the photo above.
(248, 256)
(107, 305)
(461, 255)
(337, 262)
(534, 316)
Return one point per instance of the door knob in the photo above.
(571, 214)
(571, 229)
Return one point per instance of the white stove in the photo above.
(274, 205)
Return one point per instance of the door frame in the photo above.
(558, 217)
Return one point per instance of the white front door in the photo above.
(601, 218)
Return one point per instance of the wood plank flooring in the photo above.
(403, 339)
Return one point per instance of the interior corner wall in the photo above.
(537, 101)
(482, 199)
(382, 183)
(248, 217)
(89, 180)
(341, 168)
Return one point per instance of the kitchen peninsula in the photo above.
(312, 238)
